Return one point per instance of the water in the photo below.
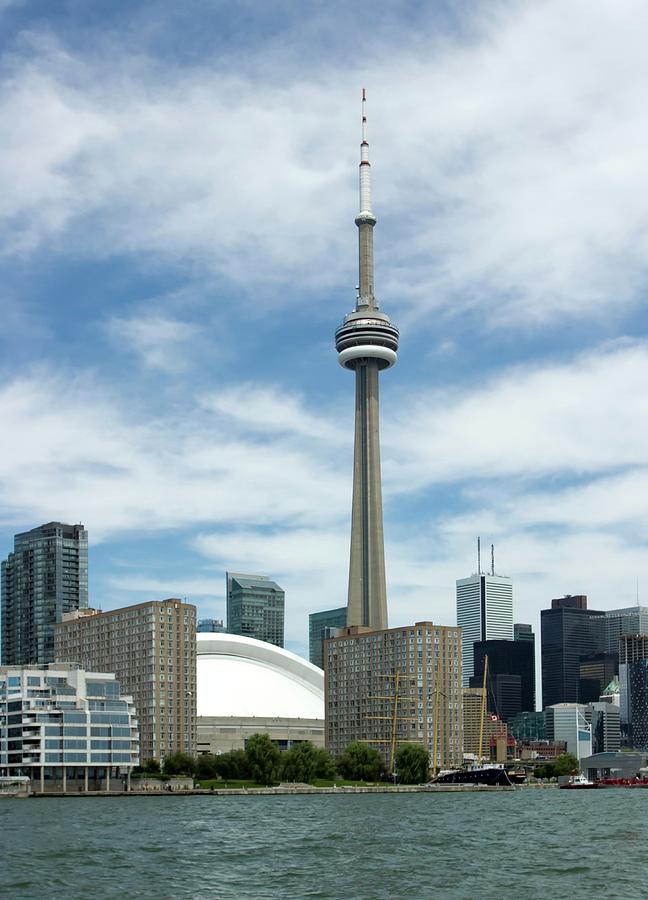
(527, 844)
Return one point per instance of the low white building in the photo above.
(248, 687)
(66, 729)
(568, 722)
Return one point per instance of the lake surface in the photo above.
(528, 844)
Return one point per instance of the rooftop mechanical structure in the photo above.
(366, 343)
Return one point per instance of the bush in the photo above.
(359, 762)
(412, 764)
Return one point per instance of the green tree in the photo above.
(298, 763)
(359, 762)
(564, 764)
(179, 764)
(233, 765)
(206, 766)
(150, 767)
(412, 764)
(263, 758)
(324, 765)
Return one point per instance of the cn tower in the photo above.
(366, 343)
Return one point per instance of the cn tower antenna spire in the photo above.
(365, 169)
(365, 221)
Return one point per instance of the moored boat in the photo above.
(579, 782)
(492, 776)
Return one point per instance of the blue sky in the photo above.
(177, 194)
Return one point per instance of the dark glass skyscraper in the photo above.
(511, 675)
(44, 577)
(255, 607)
(320, 627)
(569, 631)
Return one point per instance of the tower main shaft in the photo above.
(366, 343)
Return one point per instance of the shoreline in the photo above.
(304, 790)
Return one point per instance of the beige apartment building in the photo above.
(395, 686)
(495, 732)
(151, 648)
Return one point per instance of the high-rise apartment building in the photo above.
(66, 729)
(569, 631)
(393, 686)
(255, 607)
(320, 627)
(366, 343)
(44, 577)
(484, 612)
(151, 648)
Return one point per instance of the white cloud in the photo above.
(161, 342)
(271, 409)
(509, 163)
(117, 466)
(580, 417)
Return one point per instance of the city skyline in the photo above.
(179, 397)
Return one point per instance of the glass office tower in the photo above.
(44, 577)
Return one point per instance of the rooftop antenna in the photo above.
(478, 555)
(492, 559)
(637, 590)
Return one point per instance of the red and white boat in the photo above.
(578, 782)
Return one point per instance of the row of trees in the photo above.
(262, 762)
(565, 764)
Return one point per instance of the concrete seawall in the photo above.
(288, 790)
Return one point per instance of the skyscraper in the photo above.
(44, 577)
(255, 607)
(484, 612)
(631, 620)
(511, 675)
(568, 631)
(214, 626)
(321, 625)
(633, 683)
(366, 343)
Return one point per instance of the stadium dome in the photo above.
(240, 677)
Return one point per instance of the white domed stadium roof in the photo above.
(243, 678)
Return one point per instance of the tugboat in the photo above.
(578, 783)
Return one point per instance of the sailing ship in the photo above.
(489, 774)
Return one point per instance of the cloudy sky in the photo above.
(178, 184)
